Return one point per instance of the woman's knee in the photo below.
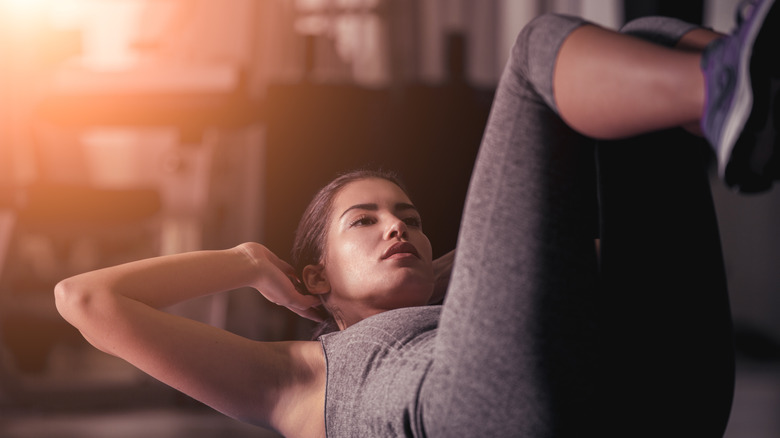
(542, 37)
(535, 51)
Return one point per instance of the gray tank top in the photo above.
(375, 371)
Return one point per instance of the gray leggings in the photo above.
(539, 337)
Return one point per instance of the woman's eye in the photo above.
(362, 221)
(413, 221)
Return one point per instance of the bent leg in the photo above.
(669, 357)
(514, 347)
(525, 319)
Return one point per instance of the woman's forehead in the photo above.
(369, 191)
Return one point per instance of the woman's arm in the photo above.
(116, 311)
(162, 281)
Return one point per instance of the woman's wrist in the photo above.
(251, 251)
(259, 262)
(253, 256)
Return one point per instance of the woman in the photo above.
(539, 336)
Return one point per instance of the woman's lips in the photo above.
(401, 248)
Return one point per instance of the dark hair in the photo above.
(312, 232)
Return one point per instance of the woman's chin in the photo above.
(413, 294)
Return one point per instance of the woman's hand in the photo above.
(442, 270)
(276, 281)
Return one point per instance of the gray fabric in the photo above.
(539, 43)
(375, 369)
(665, 31)
(515, 333)
(521, 340)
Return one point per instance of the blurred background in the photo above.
(135, 128)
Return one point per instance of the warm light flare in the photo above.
(23, 9)
(21, 19)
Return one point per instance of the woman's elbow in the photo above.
(72, 299)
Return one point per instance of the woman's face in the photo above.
(376, 255)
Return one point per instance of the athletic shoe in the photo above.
(738, 122)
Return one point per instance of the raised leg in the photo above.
(536, 339)
(515, 352)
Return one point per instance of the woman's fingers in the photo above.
(314, 313)
(282, 290)
(277, 282)
(301, 302)
(281, 264)
(304, 305)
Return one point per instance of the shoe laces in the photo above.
(745, 10)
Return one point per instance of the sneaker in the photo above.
(739, 71)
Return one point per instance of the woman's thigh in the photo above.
(514, 342)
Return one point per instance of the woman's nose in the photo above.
(396, 230)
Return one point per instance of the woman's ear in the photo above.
(315, 279)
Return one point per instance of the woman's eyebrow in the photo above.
(370, 207)
(401, 206)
